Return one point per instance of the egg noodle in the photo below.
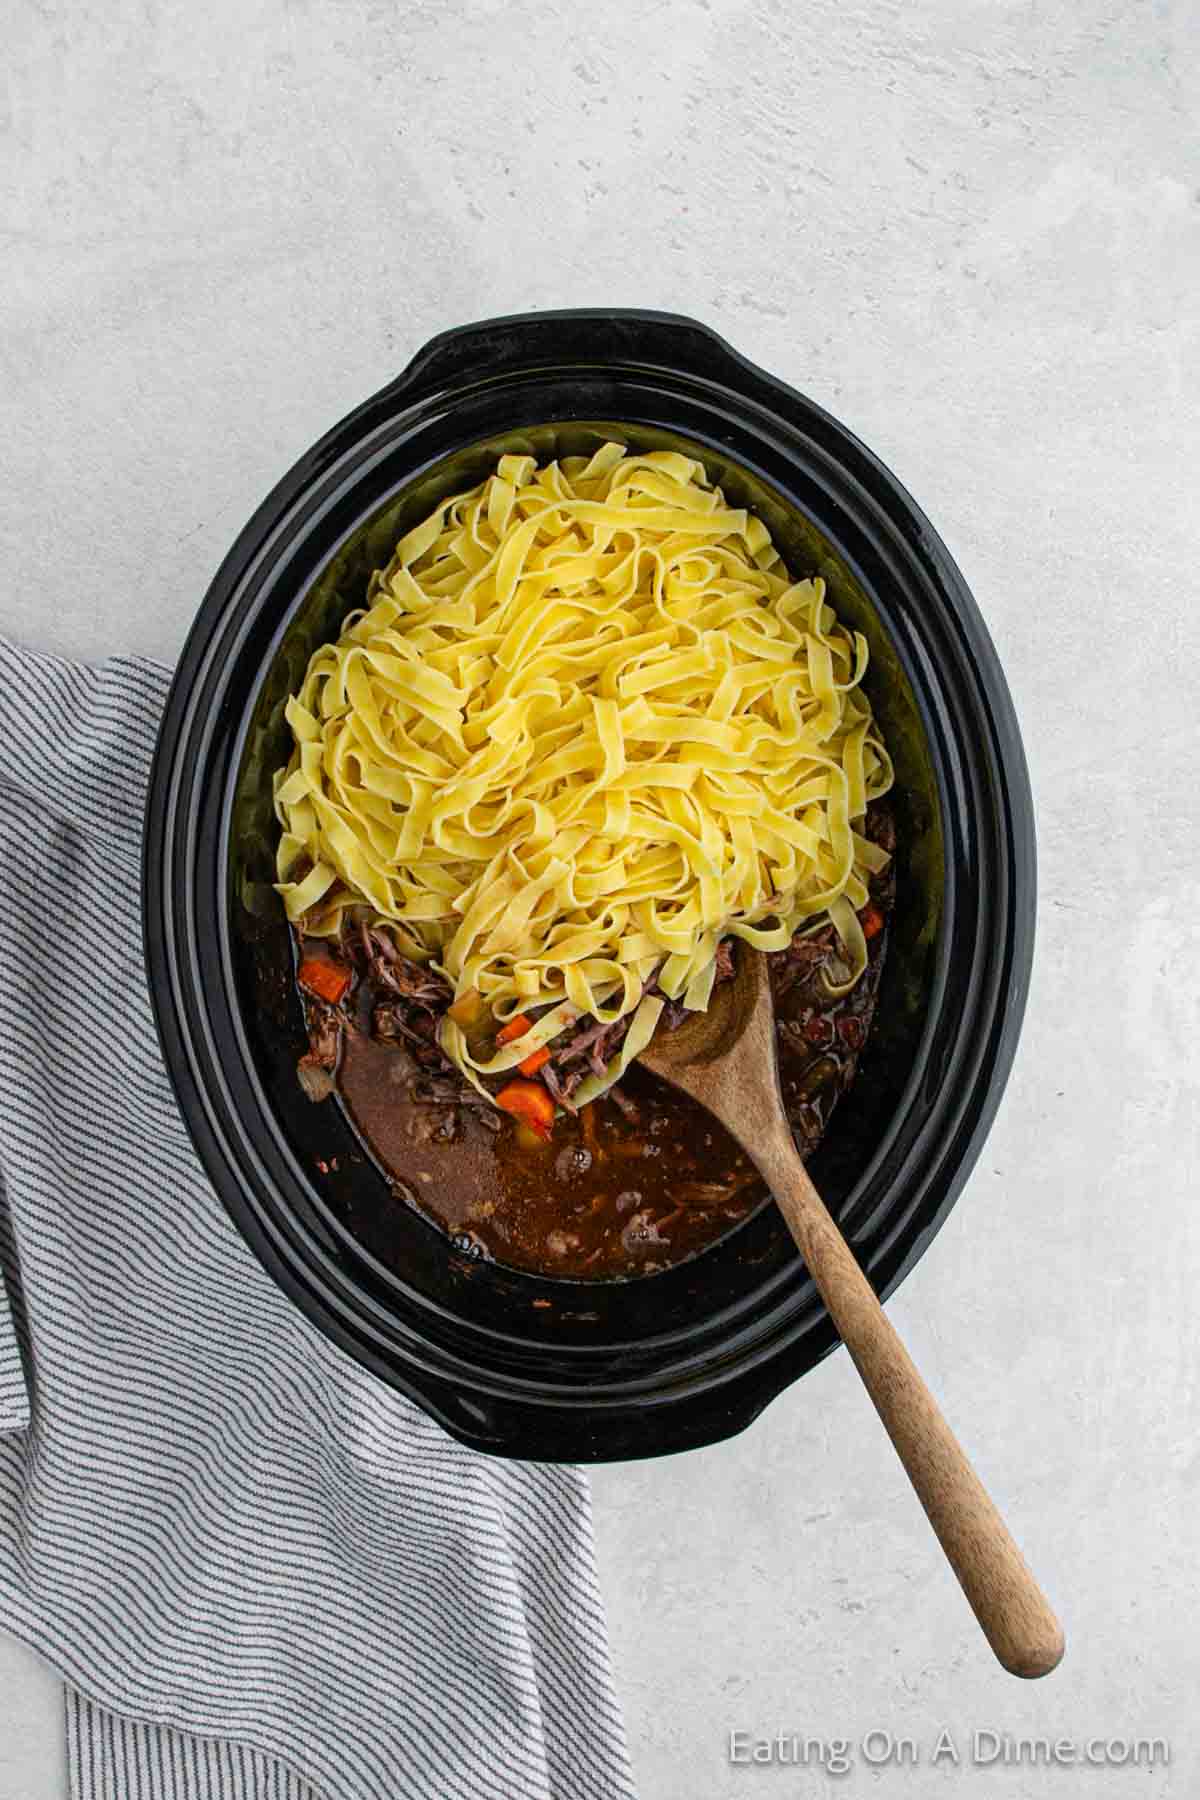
(586, 727)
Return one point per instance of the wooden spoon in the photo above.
(725, 1059)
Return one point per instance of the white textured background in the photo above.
(972, 231)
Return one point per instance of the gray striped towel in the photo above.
(263, 1575)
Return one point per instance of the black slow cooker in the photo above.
(691, 1355)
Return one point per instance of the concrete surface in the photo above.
(973, 231)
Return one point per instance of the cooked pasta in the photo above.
(585, 728)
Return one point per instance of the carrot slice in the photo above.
(537, 1059)
(529, 1102)
(516, 1027)
(871, 920)
(327, 980)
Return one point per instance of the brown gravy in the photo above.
(620, 1190)
(608, 1196)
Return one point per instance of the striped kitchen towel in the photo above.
(263, 1575)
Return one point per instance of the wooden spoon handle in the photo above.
(1016, 1618)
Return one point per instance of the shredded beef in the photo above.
(561, 1086)
(398, 974)
(324, 1034)
(622, 1100)
(802, 961)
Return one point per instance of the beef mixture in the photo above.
(628, 1185)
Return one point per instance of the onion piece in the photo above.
(318, 1083)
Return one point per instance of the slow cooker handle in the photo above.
(581, 336)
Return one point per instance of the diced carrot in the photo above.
(871, 920)
(467, 1010)
(327, 980)
(516, 1027)
(537, 1059)
(529, 1102)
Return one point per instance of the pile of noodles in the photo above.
(586, 727)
